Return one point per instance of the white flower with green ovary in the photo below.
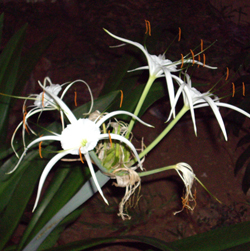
(79, 137)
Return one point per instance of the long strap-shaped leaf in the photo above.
(20, 196)
(234, 237)
(86, 192)
(9, 65)
(1, 26)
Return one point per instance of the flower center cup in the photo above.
(83, 134)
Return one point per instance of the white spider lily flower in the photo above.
(44, 102)
(79, 137)
(187, 175)
(159, 66)
(194, 99)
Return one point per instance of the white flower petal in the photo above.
(44, 100)
(190, 61)
(188, 101)
(217, 114)
(237, 109)
(170, 86)
(71, 117)
(128, 41)
(45, 172)
(44, 138)
(86, 155)
(90, 92)
(112, 114)
(83, 134)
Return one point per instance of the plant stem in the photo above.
(158, 170)
(140, 103)
(163, 134)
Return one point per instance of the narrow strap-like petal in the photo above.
(71, 117)
(30, 145)
(92, 171)
(112, 114)
(217, 114)
(45, 173)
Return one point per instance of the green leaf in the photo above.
(117, 76)
(1, 26)
(156, 92)
(51, 240)
(56, 183)
(86, 192)
(9, 65)
(56, 197)
(100, 104)
(29, 61)
(12, 213)
(82, 245)
(216, 240)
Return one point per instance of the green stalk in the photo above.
(140, 103)
(158, 170)
(163, 134)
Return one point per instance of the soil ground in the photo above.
(81, 50)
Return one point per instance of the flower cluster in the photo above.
(110, 139)
(159, 66)
(79, 137)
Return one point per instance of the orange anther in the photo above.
(182, 60)
(24, 119)
(43, 98)
(243, 87)
(80, 154)
(204, 59)
(227, 74)
(121, 98)
(75, 99)
(110, 139)
(179, 39)
(192, 55)
(233, 89)
(40, 148)
(201, 45)
(148, 27)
